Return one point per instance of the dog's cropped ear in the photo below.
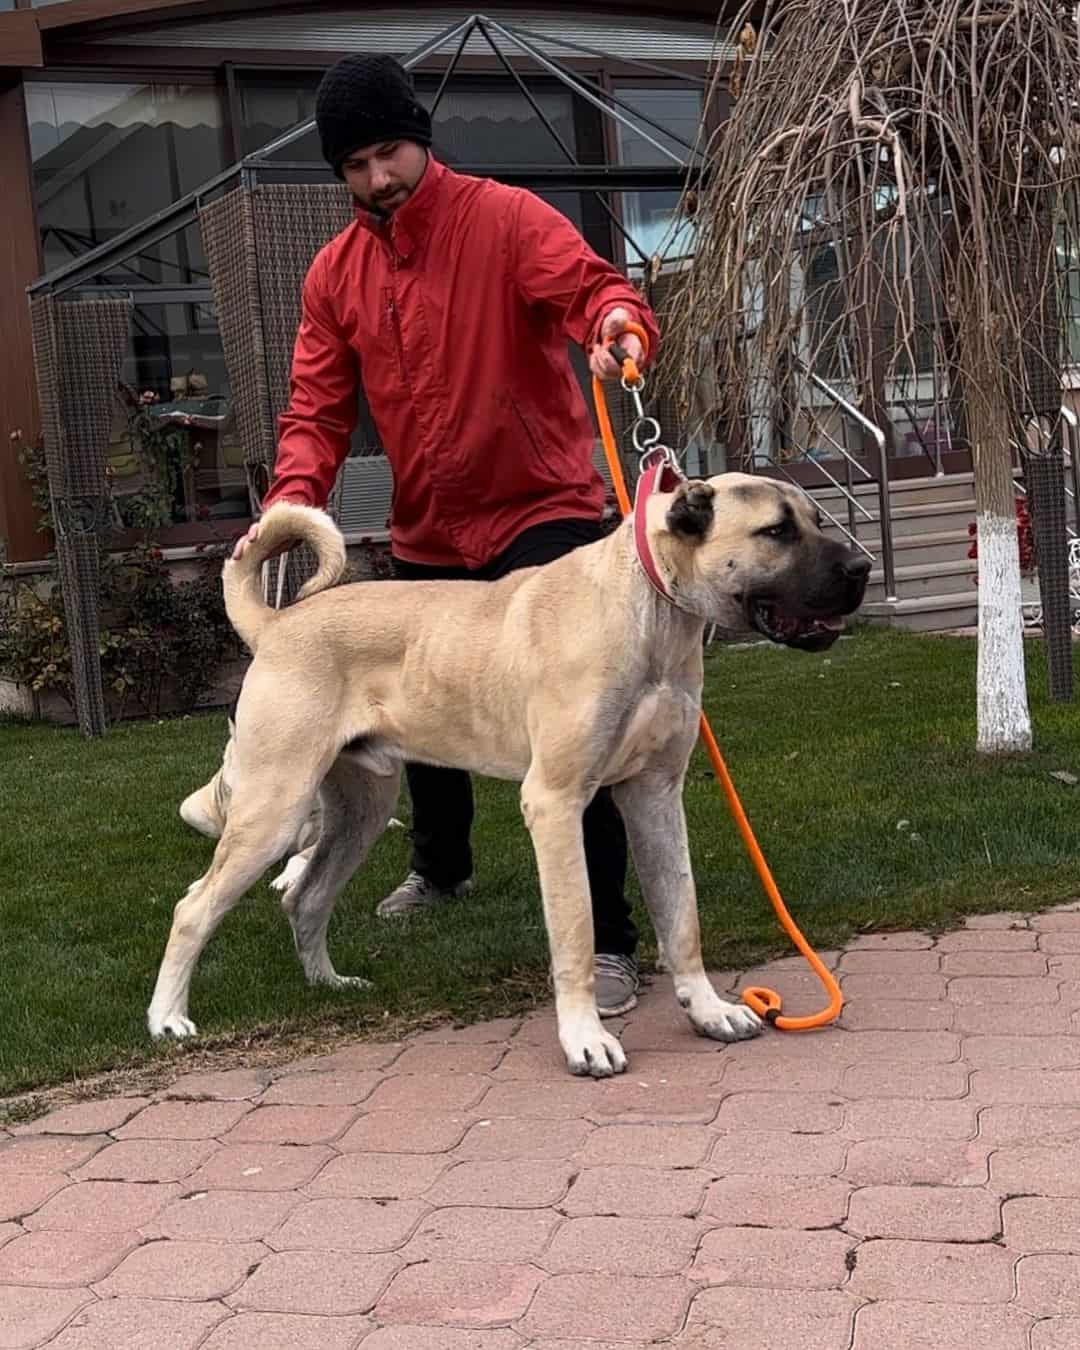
(691, 511)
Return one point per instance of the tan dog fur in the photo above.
(207, 808)
(565, 678)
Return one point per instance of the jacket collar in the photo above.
(408, 226)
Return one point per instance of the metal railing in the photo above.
(855, 507)
(1071, 448)
(1071, 454)
(846, 489)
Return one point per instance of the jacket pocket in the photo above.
(541, 458)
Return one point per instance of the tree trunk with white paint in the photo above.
(1004, 721)
(762, 393)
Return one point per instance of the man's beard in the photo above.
(380, 206)
(388, 203)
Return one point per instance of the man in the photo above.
(454, 298)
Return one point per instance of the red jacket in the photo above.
(457, 312)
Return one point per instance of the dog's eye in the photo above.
(784, 530)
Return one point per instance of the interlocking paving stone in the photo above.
(460, 1293)
(908, 1180)
(769, 1319)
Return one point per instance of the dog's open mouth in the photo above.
(792, 630)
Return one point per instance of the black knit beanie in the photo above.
(363, 100)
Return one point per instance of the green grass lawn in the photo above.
(830, 754)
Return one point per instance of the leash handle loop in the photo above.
(631, 376)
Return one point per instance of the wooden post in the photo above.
(20, 264)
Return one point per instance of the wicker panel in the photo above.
(292, 222)
(260, 243)
(228, 231)
(1044, 476)
(1037, 375)
(79, 348)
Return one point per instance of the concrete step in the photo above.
(909, 550)
(922, 518)
(923, 580)
(926, 614)
(935, 546)
(902, 491)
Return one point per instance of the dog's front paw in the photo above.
(722, 1021)
(591, 1051)
(170, 1024)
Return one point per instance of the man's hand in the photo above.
(601, 362)
(253, 534)
(244, 540)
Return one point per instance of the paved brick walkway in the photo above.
(910, 1180)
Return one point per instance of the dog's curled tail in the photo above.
(285, 523)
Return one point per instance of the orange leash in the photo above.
(765, 1002)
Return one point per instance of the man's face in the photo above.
(381, 177)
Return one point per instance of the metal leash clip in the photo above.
(645, 433)
(645, 430)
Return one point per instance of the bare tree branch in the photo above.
(911, 160)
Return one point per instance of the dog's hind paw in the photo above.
(171, 1024)
(291, 873)
(593, 1053)
(332, 980)
(350, 982)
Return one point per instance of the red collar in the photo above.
(409, 224)
(660, 476)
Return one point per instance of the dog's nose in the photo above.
(855, 567)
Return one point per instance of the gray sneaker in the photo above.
(616, 983)
(416, 893)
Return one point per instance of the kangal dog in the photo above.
(563, 678)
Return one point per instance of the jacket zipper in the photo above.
(394, 320)
(398, 340)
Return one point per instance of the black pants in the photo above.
(442, 798)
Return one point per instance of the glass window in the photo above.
(493, 124)
(650, 217)
(826, 307)
(268, 108)
(108, 156)
(484, 124)
(177, 260)
(1068, 264)
(174, 453)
